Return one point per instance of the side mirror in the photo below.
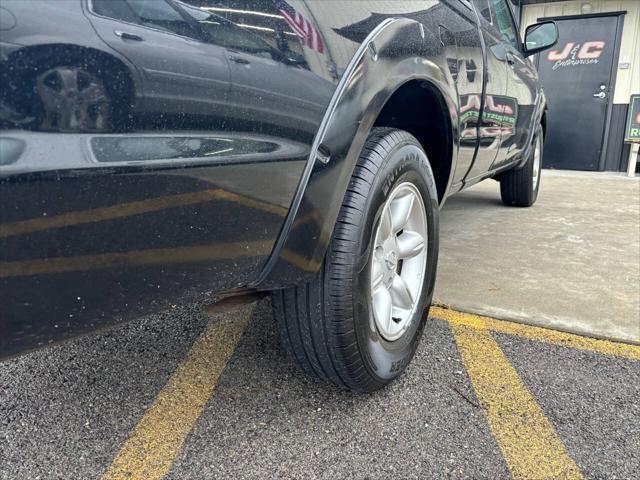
(540, 36)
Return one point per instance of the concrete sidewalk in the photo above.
(571, 262)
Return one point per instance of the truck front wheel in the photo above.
(358, 323)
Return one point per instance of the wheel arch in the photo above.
(419, 107)
(539, 117)
(399, 56)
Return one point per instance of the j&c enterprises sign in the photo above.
(573, 54)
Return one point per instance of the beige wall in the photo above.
(627, 81)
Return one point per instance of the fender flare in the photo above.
(397, 51)
(539, 112)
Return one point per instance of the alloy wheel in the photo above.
(73, 100)
(537, 160)
(398, 261)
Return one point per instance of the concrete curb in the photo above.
(561, 324)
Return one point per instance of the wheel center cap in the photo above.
(391, 260)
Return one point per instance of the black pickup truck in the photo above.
(156, 152)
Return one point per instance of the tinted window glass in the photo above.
(226, 34)
(159, 14)
(485, 10)
(230, 36)
(117, 9)
(149, 13)
(504, 21)
(264, 20)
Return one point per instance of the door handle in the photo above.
(600, 95)
(239, 60)
(128, 36)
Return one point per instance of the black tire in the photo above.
(519, 187)
(326, 325)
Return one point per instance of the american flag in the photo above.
(301, 27)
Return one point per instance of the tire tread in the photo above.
(319, 335)
(516, 185)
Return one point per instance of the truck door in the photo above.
(495, 104)
(459, 32)
(520, 99)
(131, 211)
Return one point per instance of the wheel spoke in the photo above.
(410, 244)
(69, 79)
(400, 211)
(382, 305)
(391, 324)
(385, 224)
(377, 274)
(400, 294)
(93, 94)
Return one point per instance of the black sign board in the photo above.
(632, 132)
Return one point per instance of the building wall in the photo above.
(627, 81)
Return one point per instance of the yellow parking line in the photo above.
(252, 203)
(156, 440)
(133, 208)
(299, 261)
(106, 213)
(158, 256)
(312, 216)
(554, 337)
(528, 441)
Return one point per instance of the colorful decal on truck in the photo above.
(498, 118)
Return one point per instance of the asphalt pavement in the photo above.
(184, 394)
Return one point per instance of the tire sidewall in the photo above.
(532, 193)
(538, 136)
(385, 360)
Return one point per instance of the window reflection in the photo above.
(159, 14)
(162, 65)
(268, 22)
(140, 149)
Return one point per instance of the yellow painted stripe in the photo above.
(156, 440)
(312, 216)
(252, 203)
(539, 334)
(162, 256)
(526, 437)
(105, 213)
(133, 208)
(299, 261)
